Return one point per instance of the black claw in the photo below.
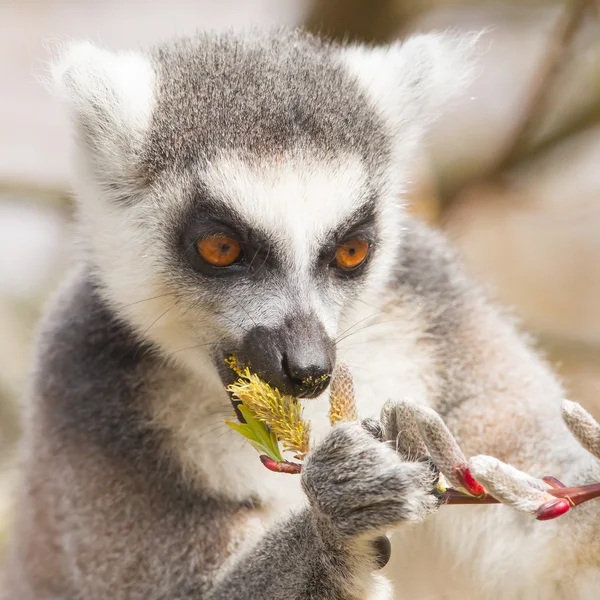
(373, 427)
(383, 551)
(438, 496)
(435, 492)
(431, 464)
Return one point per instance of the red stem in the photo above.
(280, 467)
(575, 495)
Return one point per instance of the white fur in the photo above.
(215, 454)
(225, 461)
(284, 196)
(299, 197)
(111, 97)
(119, 83)
(414, 78)
(298, 200)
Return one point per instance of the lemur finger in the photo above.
(582, 425)
(517, 489)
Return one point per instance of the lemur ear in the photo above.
(111, 97)
(411, 81)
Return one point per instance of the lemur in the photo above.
(242, 194)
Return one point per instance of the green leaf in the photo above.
(263, 436)
(257, 433)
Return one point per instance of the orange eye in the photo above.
(351, 254)
(219, 250)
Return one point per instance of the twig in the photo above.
(564, 32)
(518, 146)
(575, 495)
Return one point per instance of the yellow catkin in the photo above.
(342, 401)
(281, 413)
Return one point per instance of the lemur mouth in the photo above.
(315, 389)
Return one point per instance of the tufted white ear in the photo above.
(111, 96)
(105, 87)
(412, 80)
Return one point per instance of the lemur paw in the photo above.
(363, 486)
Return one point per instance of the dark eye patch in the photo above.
(361, 224)
(207, 216)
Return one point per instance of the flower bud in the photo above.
(583, 426)
(517, 489)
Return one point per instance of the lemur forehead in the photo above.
(261, 93)
(301, 197)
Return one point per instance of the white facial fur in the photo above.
(301, 199)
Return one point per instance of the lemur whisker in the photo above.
(385, 322)
(231, 320)
(351, 333)
(190, 306)
(369, 304)
(356, 366)
(147, 299)
(238, 303)
(198, 300)
(160, 317)
(227, 431)
(193, 347)
(387, 339)
(264, 262)
(340, 336)
(254, 257)
(216, 427)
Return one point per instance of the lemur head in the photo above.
(240, 194)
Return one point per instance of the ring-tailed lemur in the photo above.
(241, 194)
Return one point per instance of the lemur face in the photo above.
(240, 193)
(278, 249)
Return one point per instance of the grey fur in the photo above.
(356, 486)
(385, 491)
(259, 94)
(153, 534)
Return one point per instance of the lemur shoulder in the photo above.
(242, 194)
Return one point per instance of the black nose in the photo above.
(307, 380)
(297, 358)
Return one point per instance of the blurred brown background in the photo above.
(512, 170)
